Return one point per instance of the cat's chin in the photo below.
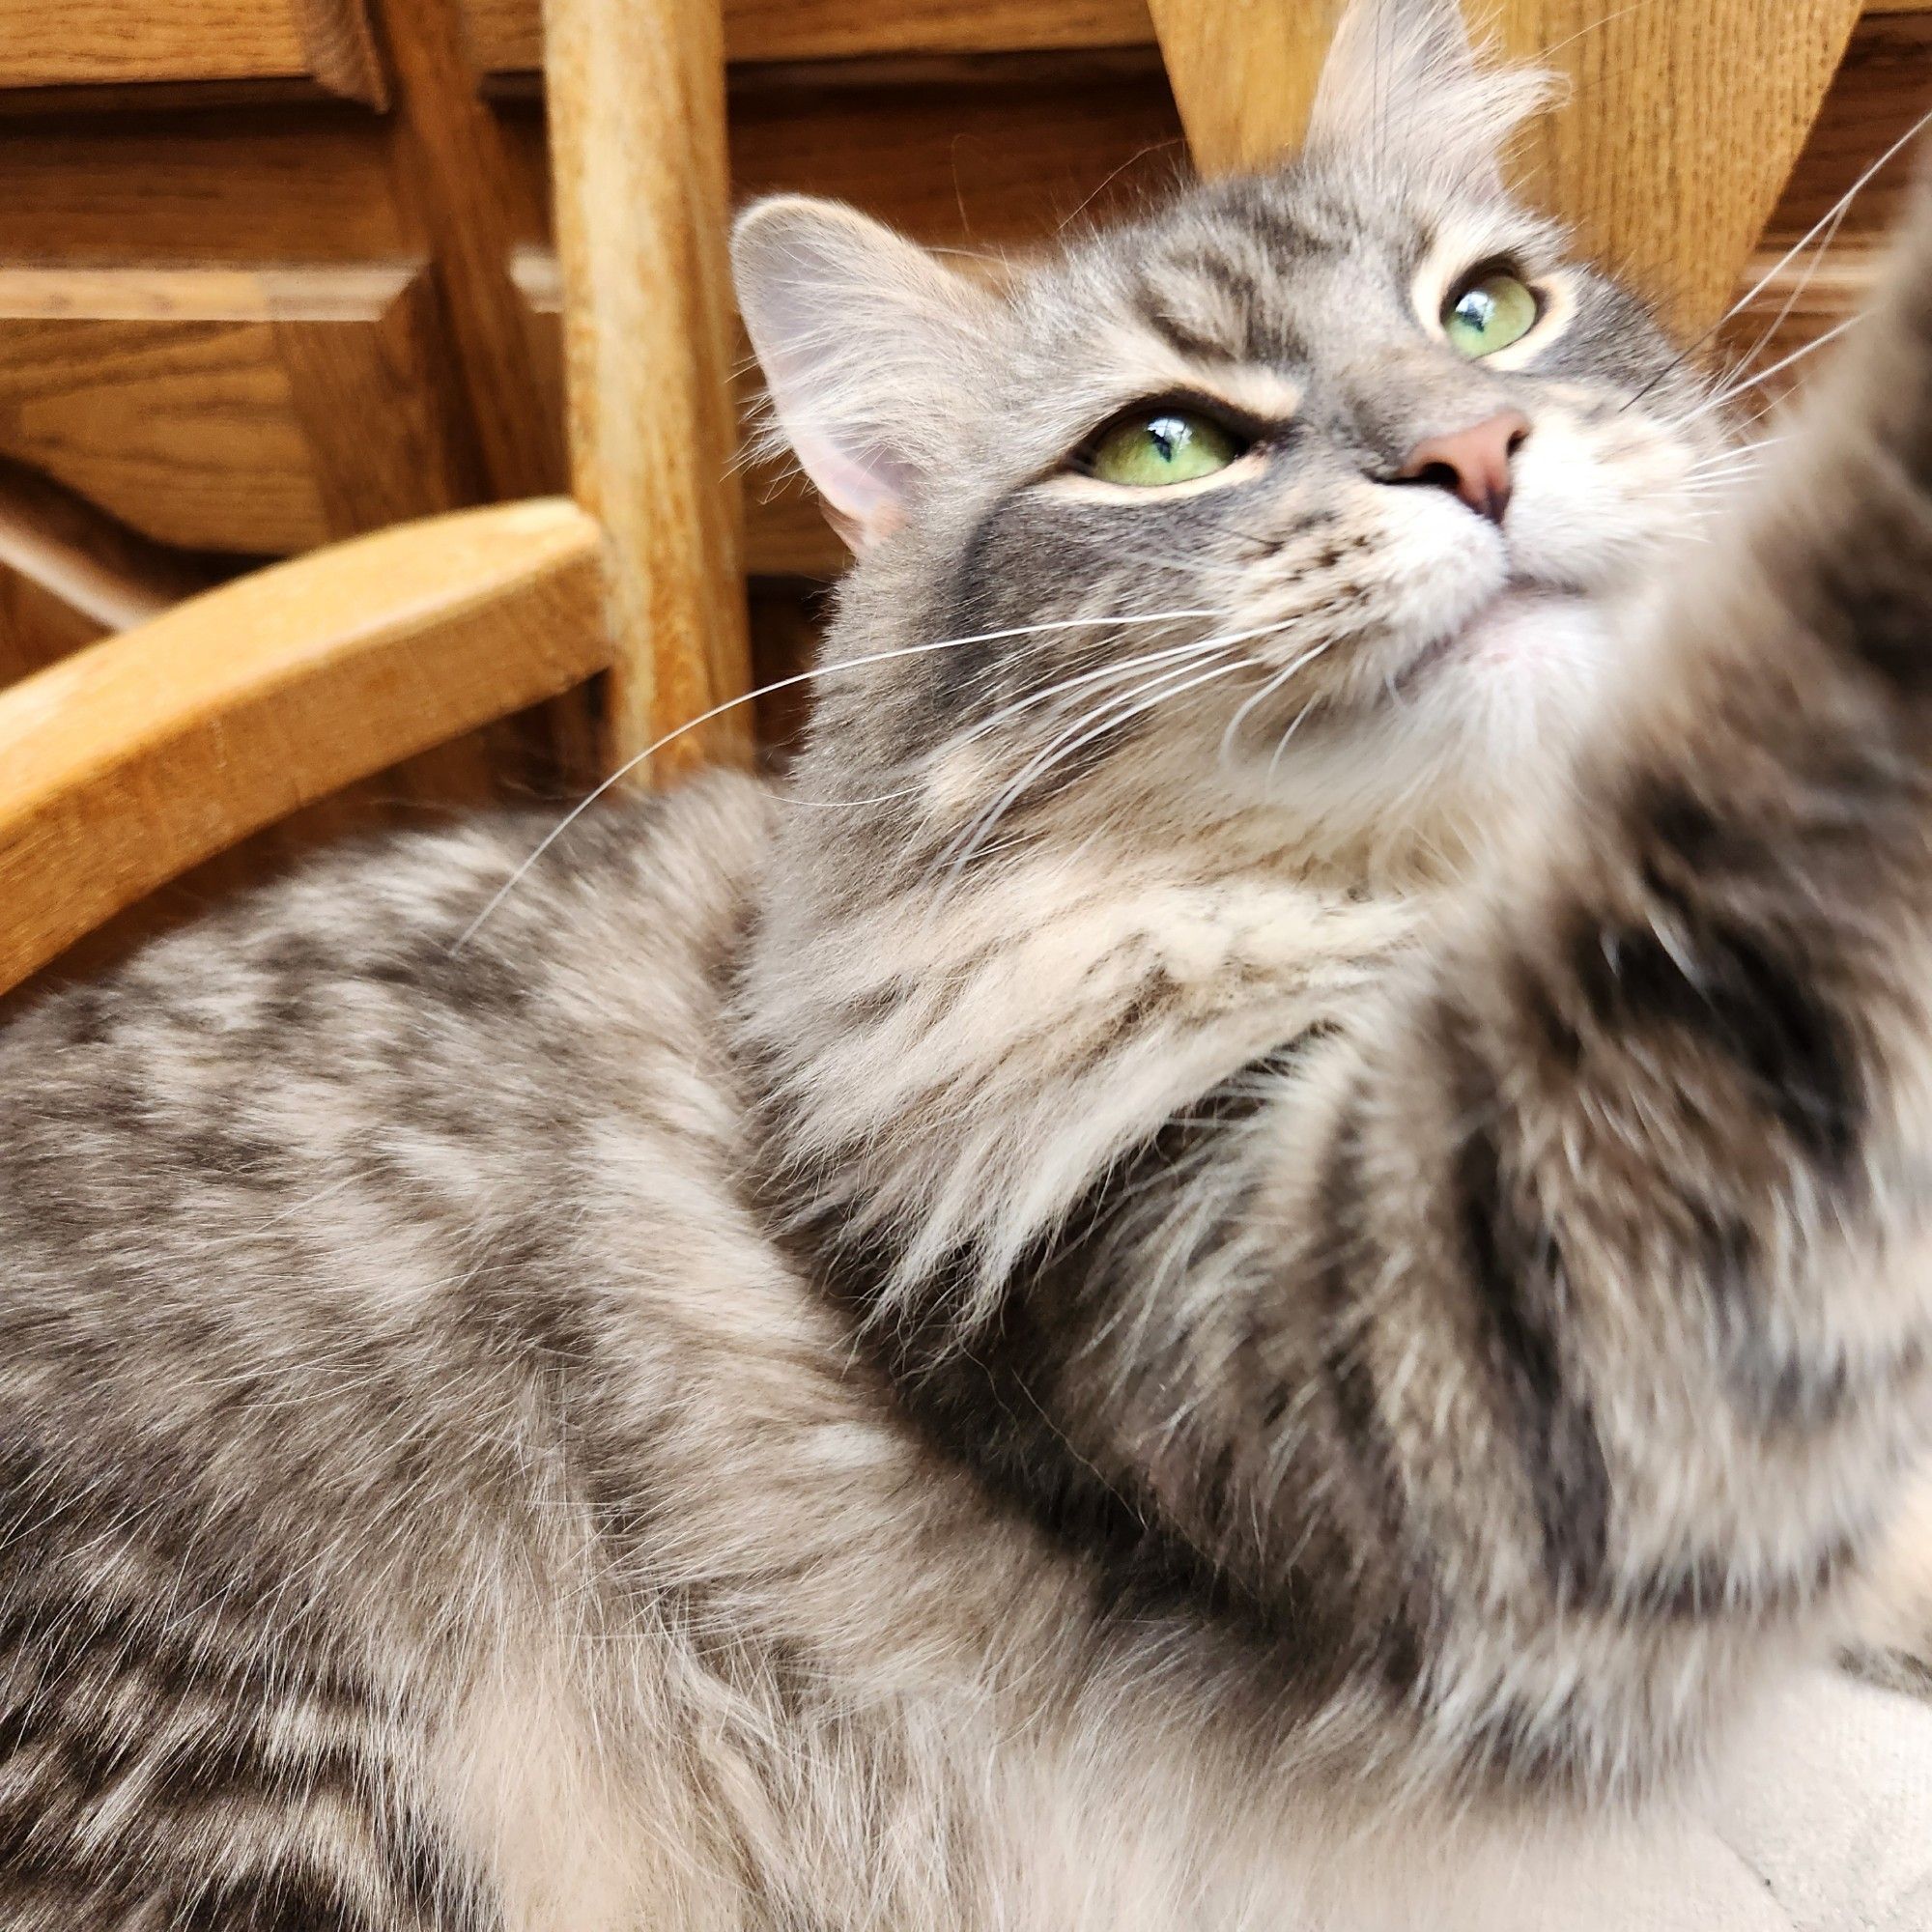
(1524, 628)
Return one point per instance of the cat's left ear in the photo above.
(868, 345)
(1404, 86)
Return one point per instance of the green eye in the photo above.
(1163, 446)
(1488, 313)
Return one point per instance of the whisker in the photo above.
(1064, 749)
(1832, 214)
(1266, 691)
(1281, 745)
(1117, 668)
(807, 676)
(1783, 363)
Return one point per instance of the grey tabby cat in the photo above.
(1254, 1258)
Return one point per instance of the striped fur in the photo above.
(1292, 1315)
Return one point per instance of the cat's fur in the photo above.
(1181, 1316)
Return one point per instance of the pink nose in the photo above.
(1472, 462)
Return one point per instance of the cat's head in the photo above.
(1308, 495)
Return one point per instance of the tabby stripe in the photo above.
(1348, 1259)
(1514, 1270)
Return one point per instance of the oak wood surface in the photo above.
(1691, 115)
(453, 166)
(243, 408)
(1243, 73)
(307, 182)
(37, 625)
(642, 185)
(137, 756)
(91, 41)
(507, 36)
(1687, 122)
(1878, 95)
(107, 576)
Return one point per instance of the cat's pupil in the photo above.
(1165, 433)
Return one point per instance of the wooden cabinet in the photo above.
(256, 410)
(507, 36)
(114, 43)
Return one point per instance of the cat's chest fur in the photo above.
(965, 1063)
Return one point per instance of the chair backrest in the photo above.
(135, 758)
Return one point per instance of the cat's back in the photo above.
(322, 1238)
(384, 1024)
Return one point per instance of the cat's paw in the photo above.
(1889, 1643)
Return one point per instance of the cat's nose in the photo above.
(1472, 462)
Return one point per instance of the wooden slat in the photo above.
(507, 36)
(1684, 122)
(1682, 127)
(785, 534)
(139, 756)
(95, 42)
(1883, 86)
(1243, 72)
(454, 166)
(636, 110)
(36, 627)
(245, 410)
(1878, 95)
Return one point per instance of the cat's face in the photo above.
(1313, 493)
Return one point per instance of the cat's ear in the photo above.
(866, 342)
(1405, 85)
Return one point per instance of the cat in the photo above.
(1251, 1258)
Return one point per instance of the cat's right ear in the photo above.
(1404, 86)
(865, 342)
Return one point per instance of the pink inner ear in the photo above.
(863, 501)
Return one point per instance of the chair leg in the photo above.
(1243, 73)
(638, 145)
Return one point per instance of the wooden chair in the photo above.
(140, 755)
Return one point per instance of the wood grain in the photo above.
(453, 166)
(236, 186)
(135, 758)
(1878, 95)
(108, 576)
(507, 36)
(383, 419)
(636, 108)
(193, 403)
(1883, 86)
(341, 48)
(92, 41)
(1243, 73)
(1686, 125)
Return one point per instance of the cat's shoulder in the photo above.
(488, 926)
